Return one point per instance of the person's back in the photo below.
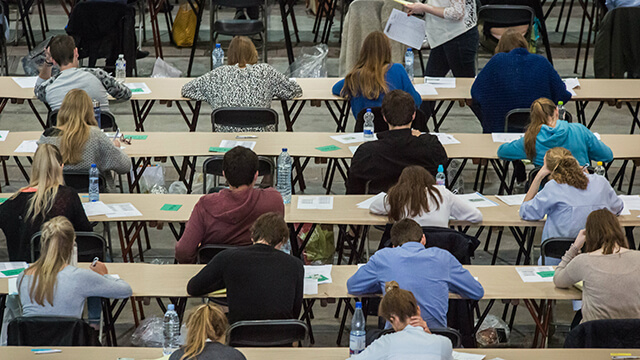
(411, 343)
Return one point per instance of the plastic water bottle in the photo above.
(561, 110)
(284, 176)
(408, 63)
(121, 69)
(368, 125)
(97, 112)
(452, 170)
(440, 177)
(94, 186)
(600, 169)
(217, 56)
(171, 331)
(358, 334)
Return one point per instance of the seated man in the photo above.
(96, 82)
(262, 282)
(431, 274)
(226, 217)
(382, 161)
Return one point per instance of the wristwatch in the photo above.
(48, 63)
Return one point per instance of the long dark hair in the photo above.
(410, 196)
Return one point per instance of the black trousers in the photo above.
(457, 55)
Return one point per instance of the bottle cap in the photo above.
(171, 307)
(368, 109)
(358, 305)
(409, 49)
(218, 45)
(440, 168)
(93, 165)
(599, 163)
(284, 149)
(560, 103)
(120, 55)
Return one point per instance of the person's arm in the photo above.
(365, 280)
(337, 88)
(461, 209)
(92, 284)
(359, 171)
(435, 150)
(44, 78)
(614, 202)
(597, 150)
(379, 206)
(455, 12)
(566, 275)
(513, 150)
(210, 278)
(197, 88)
(77, 216)
(462, 282)
(114, 88)
(112, 158)
(186, 250)
(407, 84)
(533, 191)
(297, 303)
(559, 90)
(283, 87)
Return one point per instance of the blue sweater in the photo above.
(582, 143)
(514, 80)
(397, 79)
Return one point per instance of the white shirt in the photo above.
(411, 343)
(450, 205)
(459, 16)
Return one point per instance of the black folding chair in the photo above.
(79, 180)
(266, 333)
(107, 120)
(50, 331)
(555, 247)
(502, 16)
(247, 119)
(90, 246)
(209, 251)
(379, 125)
(4, 62)
(517, 120)
(605, 334)
(240, 27)
(213, 166)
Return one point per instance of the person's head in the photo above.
(270, 228)
(56, 249)
(242, 52)
(408, 197)
(240, 167)
(398, 306)
(206, 322)
(367, 78)
(511, 39)
(565, 168)
(74, 119)
(603, 231)
(398, 109)
(406, 230)
(543, 112)
(46, 176)
(63, 50)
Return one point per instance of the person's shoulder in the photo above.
(396, 68)
(52, 132)
(67, 191)
(223, 351)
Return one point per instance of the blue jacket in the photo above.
(514, 80)
(397, 79)
(582, 143)
(429, 273)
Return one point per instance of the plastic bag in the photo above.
(492, 332)
(35, 60)
(177, 187)
(320, 248)
(150, 333)
(184, 26)
(152, 179)
(162, 69)
(311, 64)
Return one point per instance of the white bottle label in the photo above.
(356, 344)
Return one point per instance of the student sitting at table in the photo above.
(545, 131)
(416, 196)
(97, 83)
(44, 198)
(412, 338)
(513, 78)
(374, 76)
(226, 217)
(431, 274)
(53, 287)
(607, 267)
(567, 198)
(262, 282)
(380, 162)
(206, 331)
(242, 83)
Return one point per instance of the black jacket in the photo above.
(605, 334)
(617, 49)
(383, 160)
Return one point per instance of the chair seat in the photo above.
(239, 27)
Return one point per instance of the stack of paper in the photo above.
(477, 200)
(408, 30)
(512, 199)
(138, 88)
(441, 82)
(351, 138)
(572, 83)
(12, 269)
(506, 137)
(27, 146)
(536, 273)
(446, 139)
(425, 89)
(230, 144)
(96, 208)
(466, 356)
(315, 202)
(26, 82)
(3, 135)
(367, 203)
(321, 273)
(631, 202)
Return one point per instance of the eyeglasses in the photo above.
(125, 140)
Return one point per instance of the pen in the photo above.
(117, 133)
(95, 260)
(246, 137)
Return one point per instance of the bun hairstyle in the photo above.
(565, 168)
(541, 110)
(397, 302)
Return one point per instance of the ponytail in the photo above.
(397, 302)
(565, 168)
(206, 322)
(540, 112)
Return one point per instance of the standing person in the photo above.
(374, 76)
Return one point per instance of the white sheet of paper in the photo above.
(114, 276)
(408, 30)
(317, 272)
(597, 135)
(572, 83)
(138, 88)
(315, 202)
(353, 149)
(625, 211)
(26, 82)
(233, 143)
(27, 146)
(530, 274)
(123, 210)
(3, 135)
(13, 286)
(631, 202)
(466, 356)
(12, 265)
(367, 203)
(361, 265)
(351, 138)
(512, 199)
(95, 208)
(310, 286)
(446, 139)
(506, 137)
(477, 200)
(425, 89)
(441, 82)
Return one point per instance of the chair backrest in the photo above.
(50, 331)
(245, 118)
(517, 120)
(379, 125)
(266, 333)
(506, 15)
(459, 244)
(209, 251)
(90, 246)
(605, 334)
(239, 3)
(555, 247)
(79, 180)
(107, 120)
(452, 334)
(213, 166)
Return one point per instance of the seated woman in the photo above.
(44, 198)
(606, 266)
(79, 139)
(512, 79)
(53, 287)
(416, 196)
(206, 331)
(374, 75)
(242, 83)
(545, 131)
(411, 338)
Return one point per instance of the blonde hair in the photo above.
(565, 168)
(206, 322)
(541, 110)
(56, 242)
(367, 78)
(46, 176)
(75, 119)
(242, 52)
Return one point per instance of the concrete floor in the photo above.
(20, 118)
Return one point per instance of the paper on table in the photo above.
(123, 210)
(10, 269)
(27, 146)
(506, 137)
(530, 274)
(466, 356)
(571, 84)
(310, 286)
(3, 135)
(361, 265)
(408, 30)
(597, 135)
(367, 203)
(26, 82)
(95, 208)
(315, 202)
(512, 199)
(477, 200)
(322, 273)
(446, 139)
(425, 89)
(625, 211)
(114, 276)
(230, 144)
(353, 149)
(351, 138)
(631, 202)
(13, 286)
(441, 82)
(138, 88)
